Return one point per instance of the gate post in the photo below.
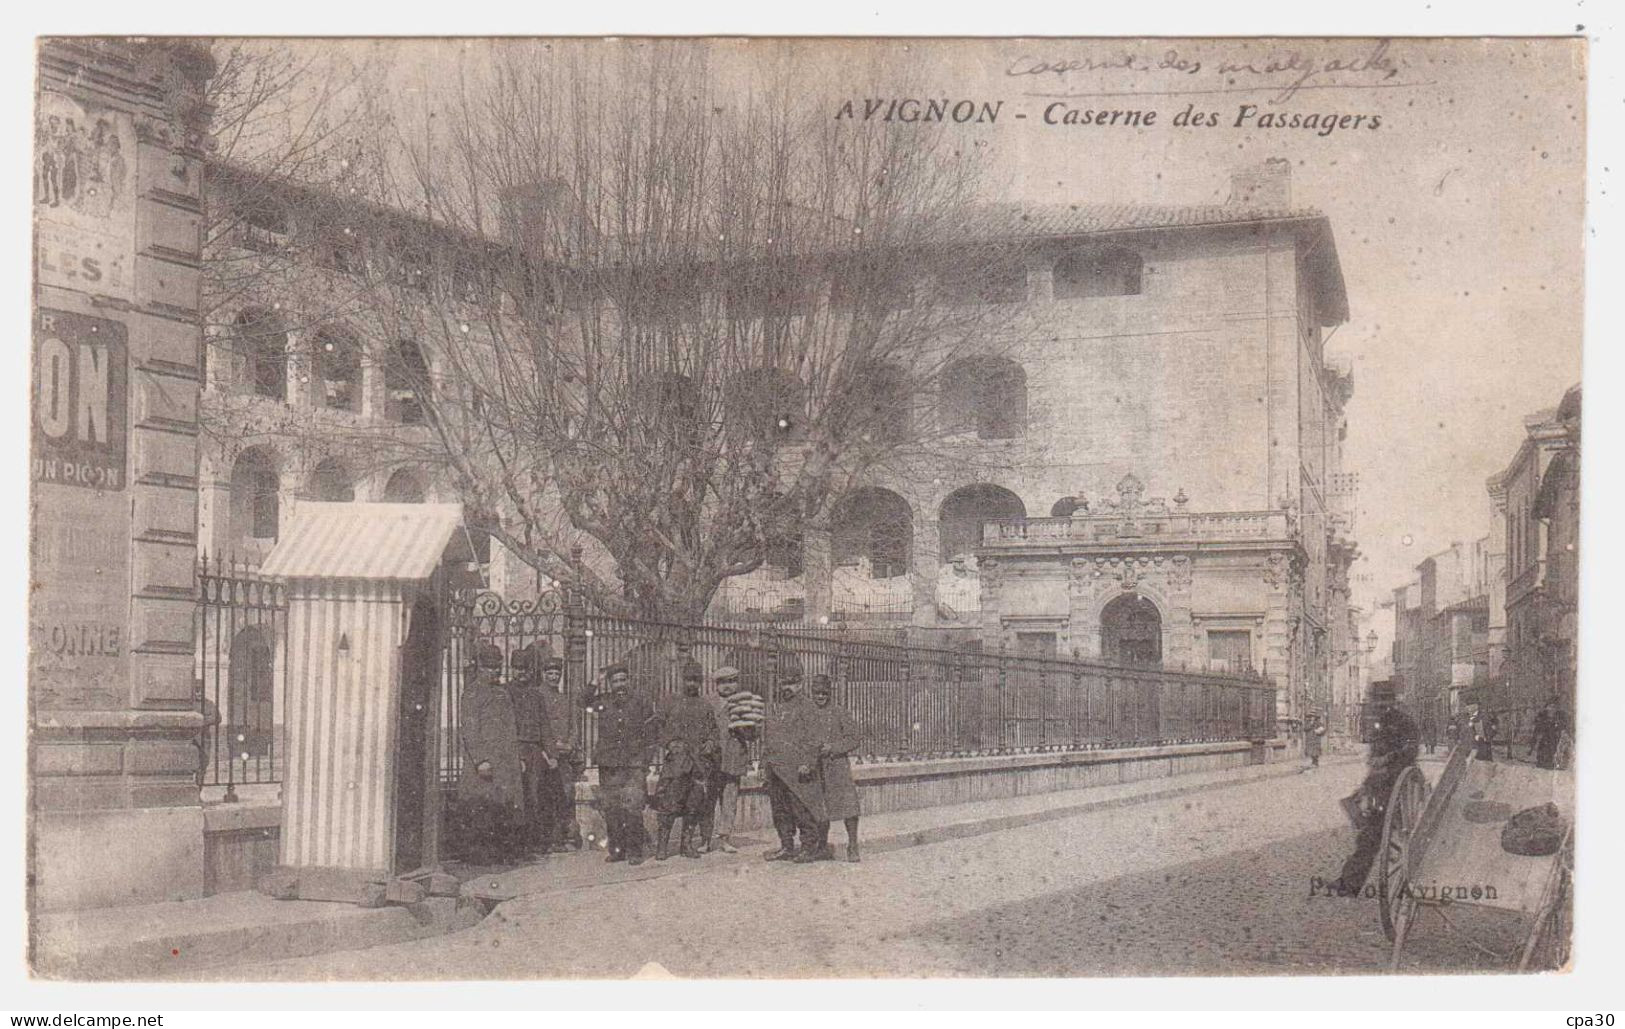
(575, 630)
(1004, 682)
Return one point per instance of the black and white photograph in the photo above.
(524, 508)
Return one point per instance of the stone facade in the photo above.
(1538, 497)
(118, 210)
(1208, 386)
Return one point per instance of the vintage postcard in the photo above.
(782, 508)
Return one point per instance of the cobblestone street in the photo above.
(1213, 882)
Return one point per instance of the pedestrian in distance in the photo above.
(1551, 722)
(626, 740)
(1484, 727)
(1314, 739)
(790, 767)
(740, 715)
(689, 744)
(838, 737)
(490, 793)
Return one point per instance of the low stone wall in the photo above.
(241, 839)
(907, 785)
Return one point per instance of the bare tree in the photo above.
(668, 326)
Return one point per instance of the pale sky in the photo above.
(1458, 222)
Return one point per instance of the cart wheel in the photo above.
(1547, 947)
(1399, 823)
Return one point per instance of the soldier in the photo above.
(1393, 749)
(625, 741)
(530, 716)
(838, 737)
(489, 792)
(790, 757)
(687, 737)
(562, 763)
(733, 762)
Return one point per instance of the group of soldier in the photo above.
(522, 754)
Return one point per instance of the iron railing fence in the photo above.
(911, 700)
(242, 685)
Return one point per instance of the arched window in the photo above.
(873, 526)
(1098, 273)
(331, 481)
(338, 370)
(405, 486)
(264, 346)
(985, 395)
(669, 406)
(254, 488)
(406, 381)
(1131, 631)
(1066, 507)
(959, 520)
(767, 403)
(880, 402)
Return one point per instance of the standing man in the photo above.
(1484, 726)
(735, 731)
(1314, 739)
(1393, 749)
(689, 747)
(790, 760)
(1551, 722)
(625, 741)
(1430, 730)
(530, 716)
(562, 763)
(490, 795)
(838, 737)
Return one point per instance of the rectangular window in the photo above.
(1037, 644)
(1230, 650)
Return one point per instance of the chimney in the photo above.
(1265, 185)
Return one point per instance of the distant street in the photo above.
(1215, 882)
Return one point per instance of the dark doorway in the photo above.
(1131, 631)
(415, 774)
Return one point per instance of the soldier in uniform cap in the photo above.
(626, 739)
(838, 737)
(530, 716)
(562, 762)
(1393, 749)
(790, 757)
(687, 736)
(490, 794)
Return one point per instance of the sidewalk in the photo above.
(175, 940)
(895, 830)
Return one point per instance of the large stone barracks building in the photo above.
(1145, 467)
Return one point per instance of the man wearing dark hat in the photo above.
(626, 739)
(689, 747)
(1393, 749)
(790, 757)
(490, 794)
(530, 716)
(561, 767)
(739, 718)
